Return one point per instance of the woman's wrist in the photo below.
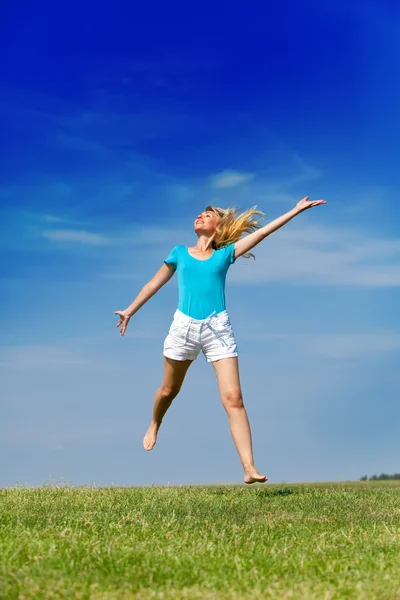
(296, 211)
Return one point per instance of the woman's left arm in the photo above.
(249, 241)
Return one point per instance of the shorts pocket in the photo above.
(225, 331)
(176, 326)
(224, 324)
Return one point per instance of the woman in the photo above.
(201, 321)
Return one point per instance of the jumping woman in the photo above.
(201, 321)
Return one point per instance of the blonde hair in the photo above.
(232, 225)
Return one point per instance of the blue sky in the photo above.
(118, 126)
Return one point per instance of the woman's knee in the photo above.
(232, 399)
(169, 392)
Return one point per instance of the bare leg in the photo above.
(227, 371)
(174, 374)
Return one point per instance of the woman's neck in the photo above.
(204, 244)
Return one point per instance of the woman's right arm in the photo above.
(148, 290)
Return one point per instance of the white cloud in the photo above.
(274, 181)
(345, 345)
(74, 236)
(49, 357)
(300, 254)
(322, 255)
(230, 179)
(305, 172)
(154, 236)
(56, 219)
(178, 192)
(354, 345)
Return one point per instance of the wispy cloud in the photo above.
(304, 171)
(354, 345)
(104, 132)
(299, 254)
(75, 236)
(49, 357)
(345, 345)
(54, 219)
(230, 179)
(322, 255)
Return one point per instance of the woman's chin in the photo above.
(202, 231)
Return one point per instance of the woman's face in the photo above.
(206, 223)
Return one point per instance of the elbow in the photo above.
(151, 287)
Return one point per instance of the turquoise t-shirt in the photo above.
(201, 283)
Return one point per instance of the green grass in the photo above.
(304, 541)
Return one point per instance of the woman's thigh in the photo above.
(174, 374)
(227, 372)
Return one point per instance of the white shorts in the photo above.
(187, 336)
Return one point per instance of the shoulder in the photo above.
(228, 252)
(177, 249)
(174, 255)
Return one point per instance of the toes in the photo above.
(148, 444)
(249, 479)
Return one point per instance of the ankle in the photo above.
(249, 467)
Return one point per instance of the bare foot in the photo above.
(149, 440)
(253, 476)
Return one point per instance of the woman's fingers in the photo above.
(306, 203)
(121, 318)
(312, 203)
(123, 321)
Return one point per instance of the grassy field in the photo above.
(277, 541)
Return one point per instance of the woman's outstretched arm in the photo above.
(148, 290)
(249, 241)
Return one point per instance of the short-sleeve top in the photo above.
(201, 283)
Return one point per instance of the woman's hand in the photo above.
(304, 203)
(123, 320)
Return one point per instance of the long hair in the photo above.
(232, 225)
